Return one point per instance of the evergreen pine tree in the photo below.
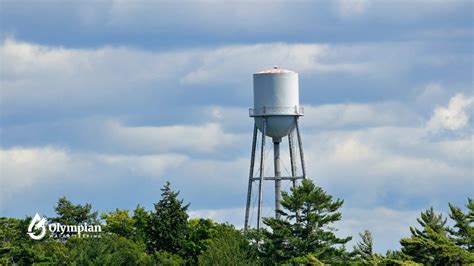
(463, 230)
(364, 249)
(429, 219)
(311, 233)
(430, 244)
(168, 226)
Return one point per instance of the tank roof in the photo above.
(275, 70)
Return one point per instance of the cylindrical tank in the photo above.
(276, 97)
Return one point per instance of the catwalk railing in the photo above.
(266, 111)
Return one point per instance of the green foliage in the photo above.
(107, 250)
(16, 247)
(165, 258)
(429, 220)
(309, 259)
(431, 244)
(295, 236)
(119, 222)
(165, 236)
(134, 227)
(463, 231)
(141, 221)
(71, 214)
(168, 226)
(200, 233)
(226, 247)
(364, 249)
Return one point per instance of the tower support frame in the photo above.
(277, 178)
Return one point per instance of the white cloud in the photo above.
(453, 117)
(36, 76)
(361, 115)
(42, 77)
(260, 18)
(229, 64)
(230, 215)
(207, 138)
(21, 168)
(143, 165)
(430, 95)
(366, 165)
(395, 11)
(350, 8)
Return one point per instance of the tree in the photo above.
(310, 232)
(119, 222)
(227, 246)
(463, 231)
(200, 233)
(365, 250)
(107, 250)
(141, 218)
(168, 226)
(429, 219)
(431, 245)
(71, 214)
(17, 248)
(164, 258)
(15, 245)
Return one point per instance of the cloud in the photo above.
(431, 95)
(26, 169)
(395, 11)
(38, 77)
(31, 170)
(155, 165)
(125, 96)
(231, 61)
(348, 8)
(378, 160)
(387, 225)
(57, 82)
(205, 138)
(396, 166)
(453, 117)
(22, 168)
(359, 115)
(230, 215)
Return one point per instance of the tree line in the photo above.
(165, 235)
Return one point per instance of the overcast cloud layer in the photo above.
(104, 101)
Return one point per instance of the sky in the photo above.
(105, 101)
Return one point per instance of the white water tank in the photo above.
(276, 97)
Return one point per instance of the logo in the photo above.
(37, 223)
(37, 229)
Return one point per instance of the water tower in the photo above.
(276, 112)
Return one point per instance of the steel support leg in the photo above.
(260, 184)
(293, 167)
(252, 164)
(300, 146)
(292, 157)
(276, 162)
